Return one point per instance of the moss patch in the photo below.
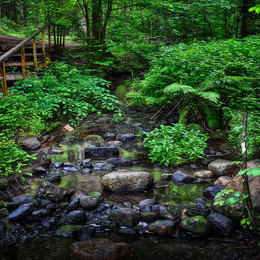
(197, 225)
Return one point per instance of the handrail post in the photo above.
(23, 62)
(43, 47)
(49, 37)
(3, 78)
(34, 53)
(54, 35)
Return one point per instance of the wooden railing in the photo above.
(58, 33)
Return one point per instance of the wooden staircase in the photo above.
(29, 55)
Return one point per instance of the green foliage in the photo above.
(253, 132)
(61, 90)
(19, 115)
(12, 156)
(174, 144)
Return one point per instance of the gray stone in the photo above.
(75, 217)
(88, 202)
(221, 224)
(125, 217)
(223, 180)
(71, 169)
(126, 137)
(197, 225)
(22, 211)
(73, 204)
(223, 167)
(212, 191)
(85, 233)
(68, 230)
(46, 163)
(147, 202)
(162, 227)
(87, 164)
(39, 171)
(127, 182)
(203, 174)
(101, 152)
(86, 171)
(54, 179)
(19, 200)
(31, 143)
(37, 214)
(58, 164)
(118, 162)
(103, 166)
(183, 177)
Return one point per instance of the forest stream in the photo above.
(80, 173)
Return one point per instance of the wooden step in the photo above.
(18, 63)
(16, 76)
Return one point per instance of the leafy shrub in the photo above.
(17, 114)
(13, 157)
(253, 133)
(174, 144)
(64, 90)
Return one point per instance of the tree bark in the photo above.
(248, 18)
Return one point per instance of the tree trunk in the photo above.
(244, 162)
(96, 19)
(0, 18)
(248, 18)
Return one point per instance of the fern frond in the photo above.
(183, 116)
(209, 95)
(175, 87)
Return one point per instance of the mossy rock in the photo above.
(68, 230)
(3, 183)
(3, 213)
(125, 154)
(95, 194)
(197, 225)
(96, 138)
(124, 221)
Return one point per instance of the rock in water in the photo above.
(197, 225)
(162, 227)
(223, 167)
(21, 212)
(101, 248)
(101, 152)
(221, 224)
(183, 177)
(127, 182)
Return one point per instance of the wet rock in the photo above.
(44, 202)
(73, 204)
(69, 164)
(95, 140)
(58, 164)
(52, 206)
(87, 163)
(203, 174)
(56, 152)
(127, 182)
(101, 152)
(46, 163)
(127, 231)
(147, 202)
(101, 248)
(197, 225)
(103, 166)
(162, 227)
(38, 214)
(221, 224)
(223, 167)
(68, 230)
(124, 217)
(31, 143)
(110, 136)
(114, 143)
(118, 162)
(85, 233)
(49, 191)
(71, 169)
(223, 180)
(166, 177)
(164, 213)
(75, 217)
(201, 206)
(19, 200)
(88, 202)
(39, 171)
(86, 171)
(199, 200)
(22, 211)
(212, 191)
(183, 177)
(126, 137)
(149, 216)
(55, 179)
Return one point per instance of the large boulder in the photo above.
(125, 217)
(31, 143)
(221, 224)
(223, 167)
(162, 227)
(127, 182)
(223, 180)
(101, 249)
(75, 217)
(197, 225)
(118, 162)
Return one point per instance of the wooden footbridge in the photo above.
(30, 54)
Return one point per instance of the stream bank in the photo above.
(60, 204)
